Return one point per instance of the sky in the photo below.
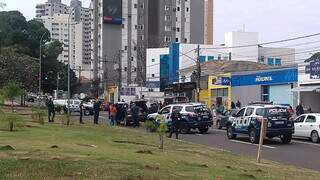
(273, 19)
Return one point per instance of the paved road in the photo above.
(300, 153)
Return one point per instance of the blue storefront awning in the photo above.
(283, 76)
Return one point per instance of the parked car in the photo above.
(194, 116)
(308, 126)
(143, 112)
(221, 120)
(61, 105)
(248, 121)
(88, 108)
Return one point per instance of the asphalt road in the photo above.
(300, 153)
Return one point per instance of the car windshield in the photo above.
(197, 109)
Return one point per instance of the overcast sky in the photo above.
(273, 19)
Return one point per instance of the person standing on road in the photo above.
(175, 118)
(233, 105)
(238, 104)
(51, 110)
(135, 115)
(96, 110)
(299, 110)
(81, 112)
(113, 114)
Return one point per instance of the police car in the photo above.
(248, 121)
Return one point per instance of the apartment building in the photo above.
(54, 15)
(142, 24)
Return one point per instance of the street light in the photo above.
(40, 66)
(69, 42)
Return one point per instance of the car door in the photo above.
(237, 123)
(309, 125)
(165, 112)
(298, 124)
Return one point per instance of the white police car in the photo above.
(248, 121)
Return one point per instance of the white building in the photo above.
(239, 46)
(54, 15)
(50, 8)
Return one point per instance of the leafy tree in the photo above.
(315, 56)
(10, 92)
(19, 68)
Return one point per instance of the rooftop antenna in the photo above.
(244, 27)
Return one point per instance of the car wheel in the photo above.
(203, 130)
(184, 128)
(314, 137)
(218, 125)
(286, 139)
(86, 112)
(230, 133)
(253, 136)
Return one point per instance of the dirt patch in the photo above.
(153, 168)
(248, 176)
(6, 148)
(135, 143)
(54, 147)
(145, 152)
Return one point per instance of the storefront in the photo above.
(308, 89)
(273, 85)
(219, 91)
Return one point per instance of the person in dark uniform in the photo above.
(96, 110)
(135, 115)
(175, 118)
(81, 112)
(51, 110)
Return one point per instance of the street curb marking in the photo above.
(241, 142)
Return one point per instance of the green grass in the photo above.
(114, 155)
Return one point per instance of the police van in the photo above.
(248, 121)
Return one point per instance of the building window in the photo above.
(152, 75)
(167, 18)
(202, 59)
(135, 5)
(187, 9)
(142, 6)
(177, 39)
(167, 28)
(153, 60)
(210, 58)
(277, 62)
(178, 8)
(270, 62)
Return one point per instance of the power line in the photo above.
(267, 43)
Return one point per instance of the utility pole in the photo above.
(198, 73)
(95, 44)
(120, 76)
(40, 68)
(58, 77)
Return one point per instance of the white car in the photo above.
(308, 126)
(74, 104)
(194, 116)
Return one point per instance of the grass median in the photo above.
(54, 151)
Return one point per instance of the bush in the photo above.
(38, 115)
(14, 120)
(151, 126)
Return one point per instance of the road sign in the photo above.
(315, 69)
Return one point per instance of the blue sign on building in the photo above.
(315, 69)
(153, 84)
(266, 78)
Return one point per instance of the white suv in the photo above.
(194, 116)
(248, 121)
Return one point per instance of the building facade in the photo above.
(182, 56)
(144, 24)
(54, 15)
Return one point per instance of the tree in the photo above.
(315, 56)
(10, 92)
(19, 68)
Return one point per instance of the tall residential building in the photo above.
(54, 15)
(50, 8)
(127, 28)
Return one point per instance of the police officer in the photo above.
(96, 110)
(51, 110)
(81, 112)
(175, 118)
